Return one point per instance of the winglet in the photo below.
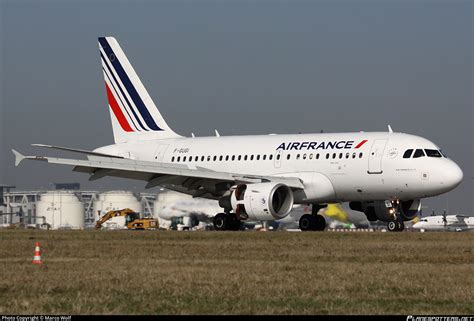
(18, 157)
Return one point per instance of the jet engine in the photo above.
(262, 201)
(386, 211)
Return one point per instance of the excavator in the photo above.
(132, 220)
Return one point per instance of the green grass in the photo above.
(166, 272)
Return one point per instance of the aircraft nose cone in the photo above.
(454, 175)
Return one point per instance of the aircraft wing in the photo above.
(195, 179)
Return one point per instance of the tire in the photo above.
(401, 226)
(233, 223)
(393, 226)
(220, 222)
(319, 223)
(306, 222)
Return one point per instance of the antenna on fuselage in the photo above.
(390, 129)
(217, 133)
(192, 135)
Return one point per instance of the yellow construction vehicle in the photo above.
(132, 220)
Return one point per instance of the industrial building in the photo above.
(69, 209)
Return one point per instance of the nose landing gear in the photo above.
(395, 226)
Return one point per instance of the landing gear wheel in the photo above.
(306, 222)
(220, 222)
(401, 226)
(319, 223)
(392, 226)
(233, 223)
(395, 226)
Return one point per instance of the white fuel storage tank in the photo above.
(60, 210)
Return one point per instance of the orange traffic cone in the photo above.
(37, 257)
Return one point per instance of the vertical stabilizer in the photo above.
(134, 115)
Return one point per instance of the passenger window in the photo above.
(310, 156)
(172, 159)
(227, 157)
(251, 157)
(418, 153)
(327, 156)
(304, 156)
(178, 159)
(214, 159)
(317, 156)
(271, 156)
(287, 156)
(340, 155)
(220, 158)
(333, 155)
(353, 155)
(360, 155)
(184, 158)
(208, 158)
(408, 153)
(258, 157)
(196, 158)
(245, 157)
(202, 158)
(233, 157)
(190, 159)
(347, 155)
(432, 153)
(264, 156)
(239, 157)
(297, 156)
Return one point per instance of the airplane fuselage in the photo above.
(334, 167)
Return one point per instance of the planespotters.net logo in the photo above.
(438, 318)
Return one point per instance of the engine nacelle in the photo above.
(262, 201)
(387, 210)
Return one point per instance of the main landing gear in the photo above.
(313, 221)
(227, 222)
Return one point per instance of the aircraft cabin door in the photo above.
(160, 152)
(278, 157)
(375, 156)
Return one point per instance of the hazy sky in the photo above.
(253, 67)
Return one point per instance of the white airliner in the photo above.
(260, 177)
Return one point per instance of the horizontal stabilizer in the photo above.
(18, 157)
(75, 150)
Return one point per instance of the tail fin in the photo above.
(134, 115)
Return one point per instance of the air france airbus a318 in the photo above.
(260, 177)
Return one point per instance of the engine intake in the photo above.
(262, 201)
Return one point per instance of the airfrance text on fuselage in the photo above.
(341, 144)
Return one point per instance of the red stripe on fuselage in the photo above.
(361, 143)
(117, 111)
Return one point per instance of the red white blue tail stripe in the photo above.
(124, 98)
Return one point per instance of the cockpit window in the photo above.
(419, 153)
(408, 153)
(432, 153)
(441, 152)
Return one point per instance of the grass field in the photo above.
(161, 272)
